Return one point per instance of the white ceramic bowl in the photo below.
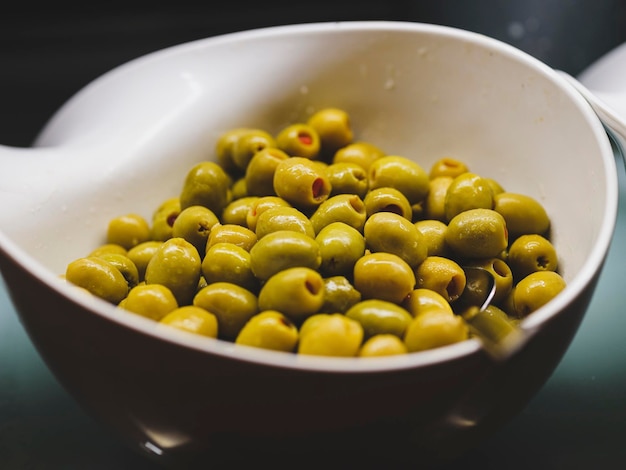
(125, 143)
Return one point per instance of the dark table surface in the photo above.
(577, 420)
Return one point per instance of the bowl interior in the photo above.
(125, 142)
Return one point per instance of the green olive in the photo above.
(361, 153)
(340, 246)
(536, 290)
(339, 295)
(208, 185)
(141, 254)
(248, 144)
(333, 128)
(442, 275)
(383, 345)
(380, 317)
(492, 323)
(300, 140)
(383, 276)
(99, 277)
(523, 214)
(530, 253)
(447, 166)
(269, 330)
(224, 148)
(502, 276)
(163, 219)
(227, 262)
(347, 178)
(392, 233)
(296, 292)
(281, 250)
(401, 173)
(233, 306)
(236, 212)
(192, 319)
(125, 265)
(477, 233)
(434, 236)
(152, 301)
(283, 218)
(107, 248)
(194, 224)
(232, 233)
(238, 189)
(260, 171)
(346, 208)
(467, 191)
(330, 335)
(387, 200)
(301, 182)
(433, 329)
(176, 265)
(128, 230)
(260, 205)
(421, 300)
(435, 202)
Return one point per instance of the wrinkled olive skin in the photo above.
(227, 262)
(152, 301)
(361, 153)
(477, 233)
(233, 306)
(401, 173)
(346, 208)
(340, 247)
(99, 277)
(128, 230)
(347, 178)
(330, 335)
(281, 250)
(387, 200)
(433, 329)
(421, 300)
(383, 276)
(383, 345)
(530, 253)
(435, 202)
(260, 171)
(467, 191)
(176, 265)
(380, 317)
(447, 166)
(232, 233)
(248, 144)
(124, 265)
(442, 275)
(194, 224)
(434, 236)
(296, 292)
(536, 290)
(333, 127)
(392, 233)
(299, 140)
(269, 330)
(163, 219)
(523, 214)
(141, 255)
(301, 182)
(192, 320)
(208, 185)
(260, 205)
(283, 218)
(236, 212)
(339, 294)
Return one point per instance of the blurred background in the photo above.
(48, 53)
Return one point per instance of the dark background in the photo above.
(47, 53)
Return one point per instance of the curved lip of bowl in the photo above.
(355, 365)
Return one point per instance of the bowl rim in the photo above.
(583, 278)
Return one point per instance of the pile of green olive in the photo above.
(312, 242)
